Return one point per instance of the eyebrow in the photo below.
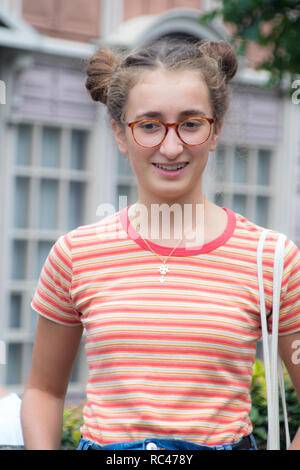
(183, 114)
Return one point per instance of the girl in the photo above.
(171, 311)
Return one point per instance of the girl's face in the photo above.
(169, 96)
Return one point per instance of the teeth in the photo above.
(175, 167)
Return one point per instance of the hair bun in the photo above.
(100, 70)
(224, 53)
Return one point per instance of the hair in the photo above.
(110, 77)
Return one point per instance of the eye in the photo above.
(192, 124)
(148, 126)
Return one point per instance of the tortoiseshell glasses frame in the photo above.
(174, 125)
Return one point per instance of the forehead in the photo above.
(168, 93)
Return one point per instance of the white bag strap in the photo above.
(272, 361)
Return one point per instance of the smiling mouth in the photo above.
(171, 167)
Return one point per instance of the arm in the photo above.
(54, 351)
(289, 349)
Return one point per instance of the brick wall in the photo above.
(134, 8)
(68, 19)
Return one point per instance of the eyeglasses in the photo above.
(150, 133)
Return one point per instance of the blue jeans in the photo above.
(163, 444)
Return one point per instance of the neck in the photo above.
(169, 223)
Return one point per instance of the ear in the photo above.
(119, 133)
(215, 136)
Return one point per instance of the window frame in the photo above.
(63, 174)
(251, 189)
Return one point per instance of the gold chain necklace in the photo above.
(163, 268)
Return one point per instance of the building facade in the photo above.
(58, 161)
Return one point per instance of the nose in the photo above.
(172, 145)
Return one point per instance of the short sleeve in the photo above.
(52, 298)
(289, 316)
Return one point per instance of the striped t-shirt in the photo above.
(173, 359)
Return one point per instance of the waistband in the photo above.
(246, 443)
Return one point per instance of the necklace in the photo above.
(163, 268)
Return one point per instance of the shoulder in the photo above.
(88, 241)
(249, 233)
(251, 230)
(108, 227)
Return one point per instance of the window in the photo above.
(50, 176)
(243, 181)
(126, 184)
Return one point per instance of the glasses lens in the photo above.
(148, 133)
(194, 131)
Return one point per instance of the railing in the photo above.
(12, 6)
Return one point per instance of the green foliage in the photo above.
(258, 413)
(269, 23)
(72, 420)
